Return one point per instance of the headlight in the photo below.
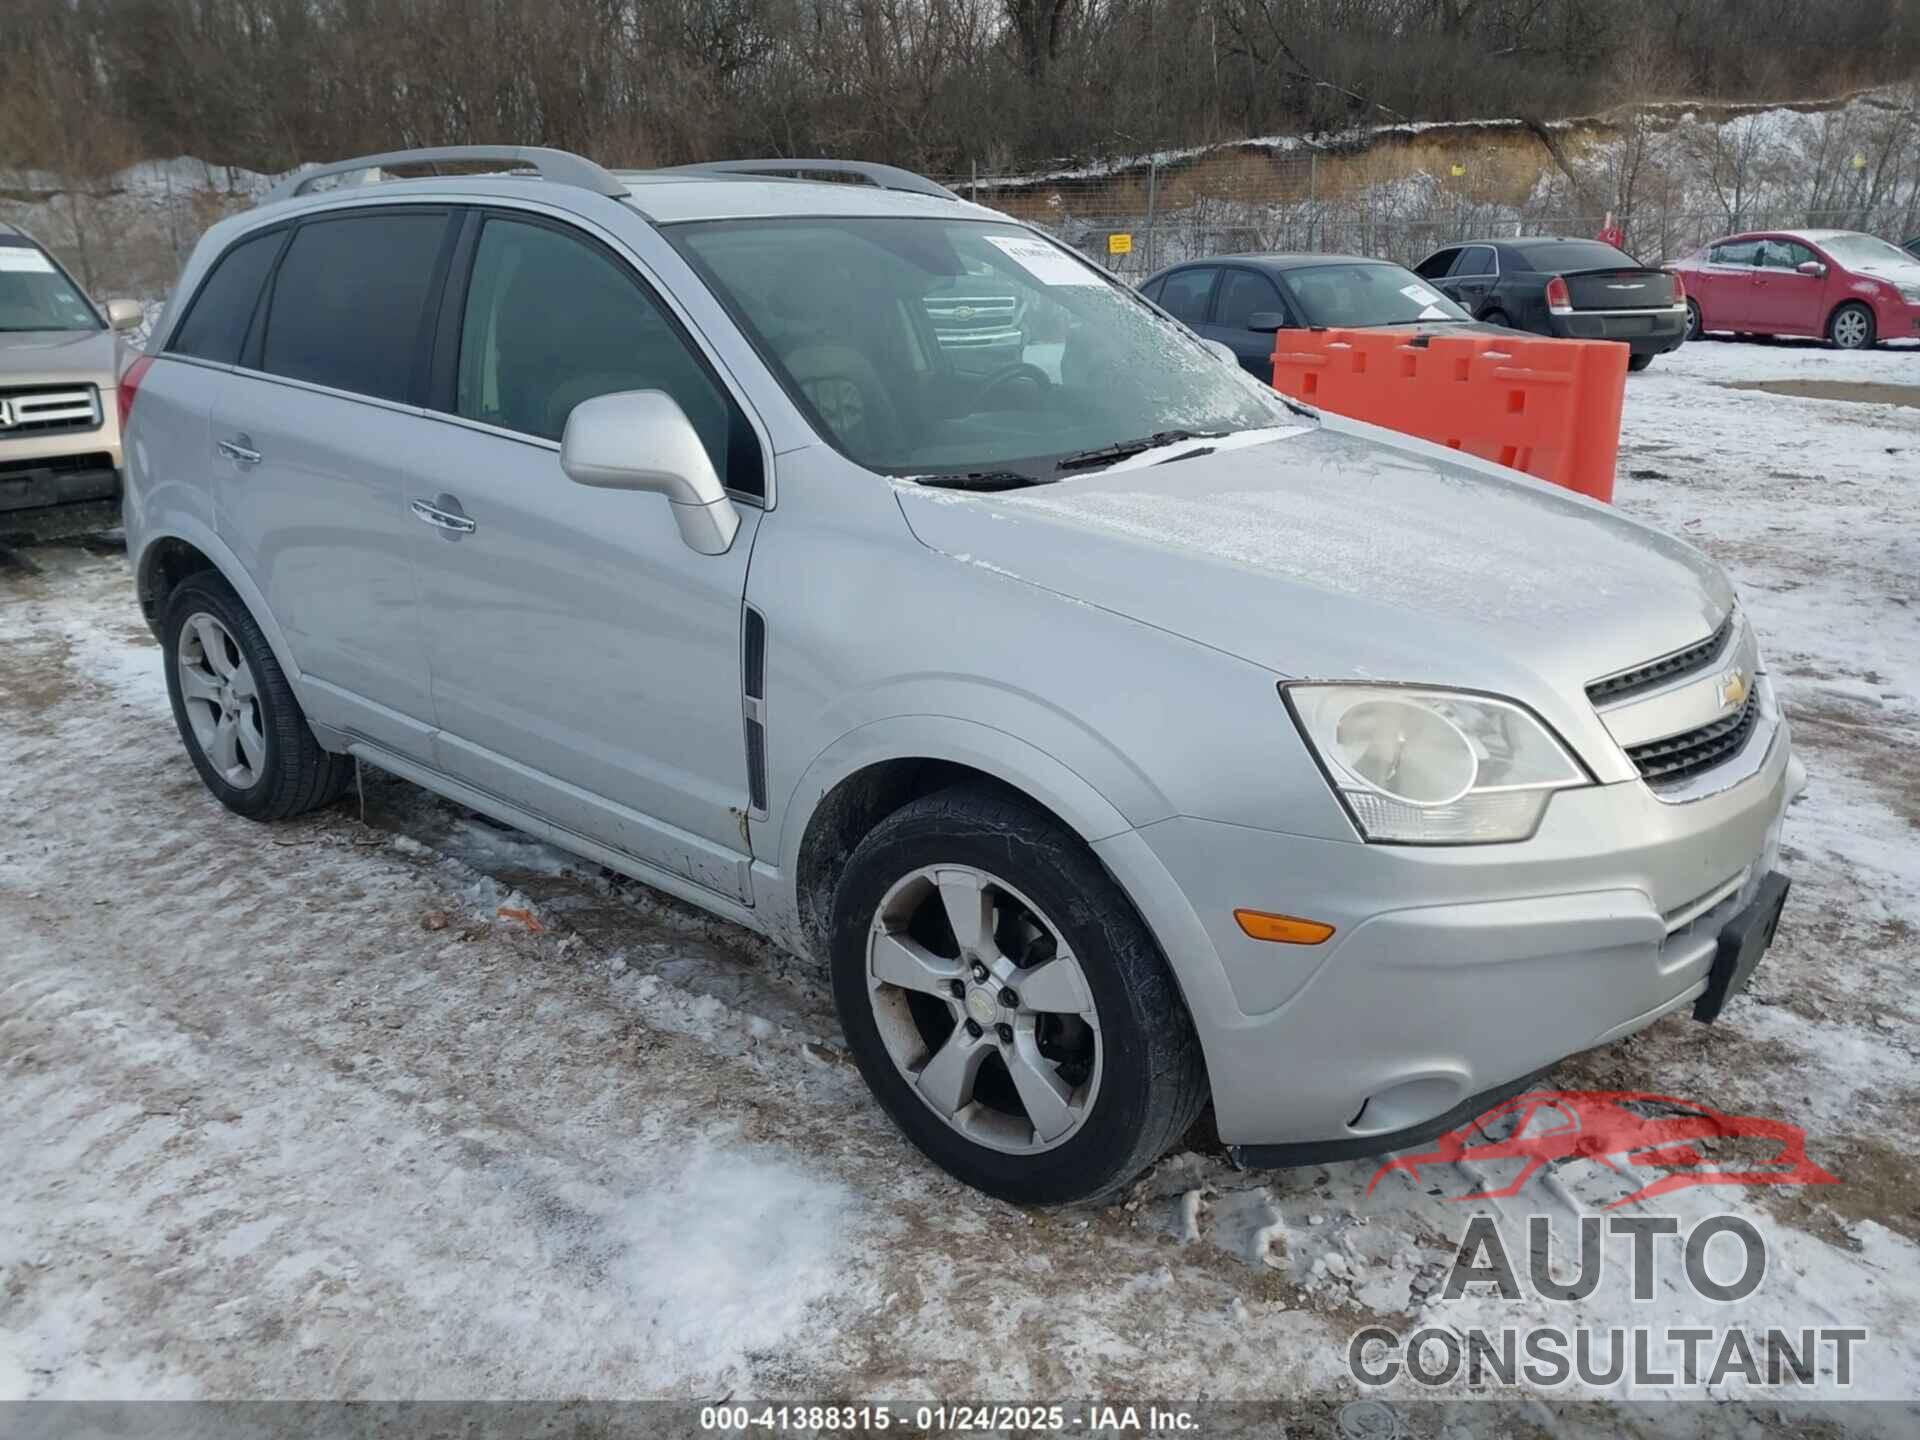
(1910, 294)
(1433, 767)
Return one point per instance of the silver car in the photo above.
(1120, 736)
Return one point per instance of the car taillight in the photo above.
(1679, 288)
(1559, 299)
(130, 388)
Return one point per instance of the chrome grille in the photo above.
(48, 410)
(970, 322)
(1656, 673)
(1680, 757)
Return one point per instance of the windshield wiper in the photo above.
(1127, 449)
(984, 480)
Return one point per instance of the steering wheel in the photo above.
(1006, 375)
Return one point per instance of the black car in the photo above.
(1241, 300)
(1574, 289)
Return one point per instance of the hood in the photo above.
(49, 356)
(1894, 272)
(1345, 551)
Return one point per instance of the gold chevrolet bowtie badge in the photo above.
(1733, 689)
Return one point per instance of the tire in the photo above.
(1850, 327)
(1496, 317)
(237, 715)
(1696, 325)
(1639, 362)
(1138, 1077)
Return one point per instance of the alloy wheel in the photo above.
(221, 701)
(1851, 328)
(984, 1009)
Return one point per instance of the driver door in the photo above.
(586, 660)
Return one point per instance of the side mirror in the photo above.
(1266, 321)
(125, 315)
(1221, 351)
(1811, 267)
(642, 440)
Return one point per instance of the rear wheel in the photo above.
(1695, 325)
(1851, 326)
(1006, 1005)
(242, 727)
(1496, 317)
(1639, 362)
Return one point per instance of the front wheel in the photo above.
(1639, 362)
(1006, 1004)
(1851, 327)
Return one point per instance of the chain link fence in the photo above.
(1138, 220)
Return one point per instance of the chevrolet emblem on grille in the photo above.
(6, 414)
(1733, 689)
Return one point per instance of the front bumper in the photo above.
(1643, 332)
(1453, 971)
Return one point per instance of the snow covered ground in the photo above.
(296, 1112)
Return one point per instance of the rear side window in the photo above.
(350, 299)
(1475, 260)
(551, 321)
(216, 323)
(1735, 252)
(1185, 294)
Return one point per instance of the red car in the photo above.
(1839, 284)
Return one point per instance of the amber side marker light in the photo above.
(1286, 929)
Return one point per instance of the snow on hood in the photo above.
(1332, 552)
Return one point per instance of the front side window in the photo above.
(349, 302)
(1358, 294)
(552, 320)
(1437, 264)
(1784, 254)
(35, 294)
(838, 308)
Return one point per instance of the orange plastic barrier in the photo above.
(1548, 407)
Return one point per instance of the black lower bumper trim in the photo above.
(1360, 1147)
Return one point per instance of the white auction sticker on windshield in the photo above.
(1046, 262)
(1419, 294)
(24, 257)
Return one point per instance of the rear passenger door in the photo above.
(1473, 276)
(312, 435)
(586, 662)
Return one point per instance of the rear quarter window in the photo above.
(216, 323)
(349, 302)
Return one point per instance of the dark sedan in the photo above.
(1574, 289)
(1241, 300)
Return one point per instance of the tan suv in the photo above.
(60, 364)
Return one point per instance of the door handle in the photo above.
(240, 450)
(442, 519)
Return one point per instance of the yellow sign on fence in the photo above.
(1120, 243)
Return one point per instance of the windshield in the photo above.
(954, 347)
(1864, 250)
(1358, 295)
(34, 295)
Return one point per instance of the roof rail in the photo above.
(559, 166)
(887, 177)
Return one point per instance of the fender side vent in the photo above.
(753, 705)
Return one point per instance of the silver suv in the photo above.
(1119, 735)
